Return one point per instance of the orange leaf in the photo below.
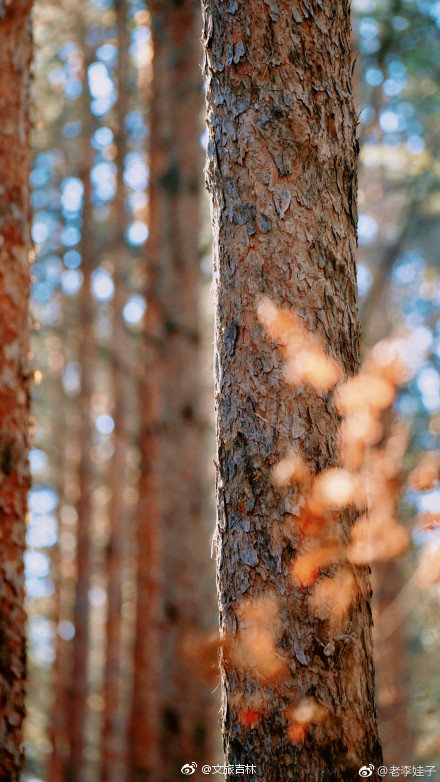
(249, 718)
(297, 733)
(305, 569)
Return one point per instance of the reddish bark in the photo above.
(282, 177)
(170, 721)
(15, 245)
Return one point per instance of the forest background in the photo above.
(89, 289)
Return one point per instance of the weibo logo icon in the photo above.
(366, 771)
(188, 769)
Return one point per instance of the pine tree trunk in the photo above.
(282, 177)
(15, 245)
(392, 673)
(59, 717)
(86, 358)
(171, 715)
(390, 651)
(113, 738)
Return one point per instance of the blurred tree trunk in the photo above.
(59, 725)
(113, 738)
(15, 244)
(171, 713)
(86, 359)
(282, 173)
(390, 649)
(391, 664)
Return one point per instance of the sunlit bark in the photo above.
(282, 176)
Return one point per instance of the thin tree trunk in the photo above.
(113, 738)
(391, 665)
(282, 177)
(15, 244)
(59, 726)
(390, 651)
(86, 357)
(171, 714)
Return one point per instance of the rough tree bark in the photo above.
(15, 245)
(282, 175)
(171, 714)
(114, 733)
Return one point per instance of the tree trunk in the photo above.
(59, 716)
(86, 358)
(15, 245)
(390, 651)
(282, 177)
(171, 714)
(113, 738)
(391, 665)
